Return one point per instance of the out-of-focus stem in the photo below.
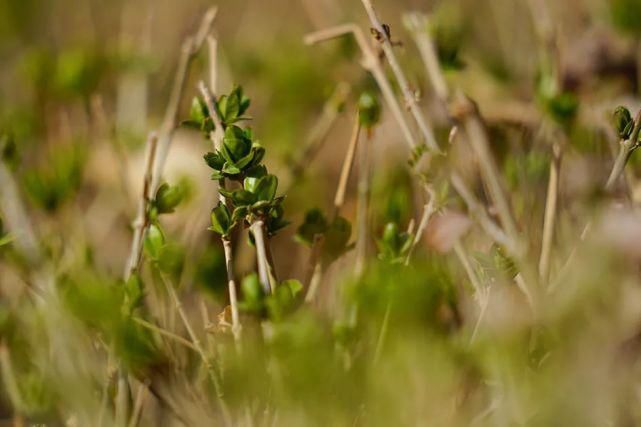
(142, 218)
(550, 213)
(197, 344)
(371, 63)
(363, 205)
(348, 163)
(408, 95)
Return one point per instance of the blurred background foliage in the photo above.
(83, 82)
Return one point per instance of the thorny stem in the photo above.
(408, 95)
(370, 63)
(258, 229)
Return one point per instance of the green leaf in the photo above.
(266, 188)
(221, 221)
(369, 110)
(253, 295)
(623, 122)
(336, 238)
(314, 223)
(252, 177)
(154, 241)
(167, 198)
(229, 107)
(231, 169)
(6, 239)
(295, 286)
(239, 197)
(198, 111)
(236, 142)
(214, 160)
(171, 260)
(134, 293)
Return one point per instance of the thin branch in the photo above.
(417, 24)
(363, 205)
(164, 332)
(370, 63)
(231, 285)
(191, 46)
(550, 212)
(348, 163)
(143, 390)
(258, 229)
(212, 43)
(314, 268)
(142, 218)
(428, 211)
(471, 123)
(477, 211)
(217, 136)
(408, 95)
(318, 134)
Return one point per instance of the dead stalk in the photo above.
(197, 344)
(417, 24)
(408, 94)
(428, 211)
(550, 213)
(370, 63)
(348, 163)
(138, 404)
(477, 211)
(363, 205)
(477, 137)
(319, 132)
(191, 46)
(142, 217)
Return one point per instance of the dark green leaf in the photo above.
(221, 221)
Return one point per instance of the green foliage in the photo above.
(369, 110)
(313, 224)
(57, 179)
(336, 234)
(167, 198)
(560, 105)
(232, 107)
(221, 221)
(626, 15)
(622, 122)
(276, 306)
(395, 244)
